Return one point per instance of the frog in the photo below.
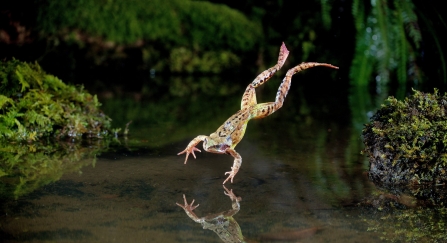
(223, 223)
(231, 132)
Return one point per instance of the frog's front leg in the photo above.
(189, 210)
(192, 147)
(236, 164)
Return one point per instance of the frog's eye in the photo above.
(205, 141)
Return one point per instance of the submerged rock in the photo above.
(406, 142)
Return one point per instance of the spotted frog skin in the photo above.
(230, 133)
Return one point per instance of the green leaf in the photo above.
(22, 81)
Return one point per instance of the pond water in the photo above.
(302, 179)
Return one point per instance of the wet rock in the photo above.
(406, 142)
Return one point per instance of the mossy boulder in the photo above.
(406, 141)
(35, 105)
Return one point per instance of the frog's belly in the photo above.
(219, 149)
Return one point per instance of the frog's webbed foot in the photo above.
(189, 151)
(189, 210)
(232, 173)
(230, 194)
(236, 164)
(192, 147)
(187, 207)
(267, 74)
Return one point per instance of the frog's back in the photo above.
(234, 127)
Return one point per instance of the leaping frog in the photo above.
(230, 133)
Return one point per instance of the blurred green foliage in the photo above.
(302, 29)
(35, 105)
(406, 141)
(183, 60)
(188, 105)
(387, 41)
(175, 35)
(201, 25)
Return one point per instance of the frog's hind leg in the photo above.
(236, 164)
(249, 97)
(266, 109)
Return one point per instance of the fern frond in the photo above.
(22, 81)
(9, 118)
(5, 132)
(32, 117)
(4, 100)
(362, 65)
(410, 20)
(53, 83)
(358, 11)
(381, 13)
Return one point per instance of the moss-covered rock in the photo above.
(35, 105)
(406, 141)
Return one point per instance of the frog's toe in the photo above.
(231, 176)
(192, 151)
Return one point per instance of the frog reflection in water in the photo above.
(227, 136)
(223, 224)
(229, 231)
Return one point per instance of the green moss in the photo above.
(171, 23)
(411, 225)
(35, 105)
(165, 35)
(183, 60)
(407, 140)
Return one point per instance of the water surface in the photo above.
(302, 176)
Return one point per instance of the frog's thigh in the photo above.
(264, 109)
(249, 97)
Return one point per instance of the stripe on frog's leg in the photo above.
(266, 109)
(262, 110)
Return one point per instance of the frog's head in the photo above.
(216, 144)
